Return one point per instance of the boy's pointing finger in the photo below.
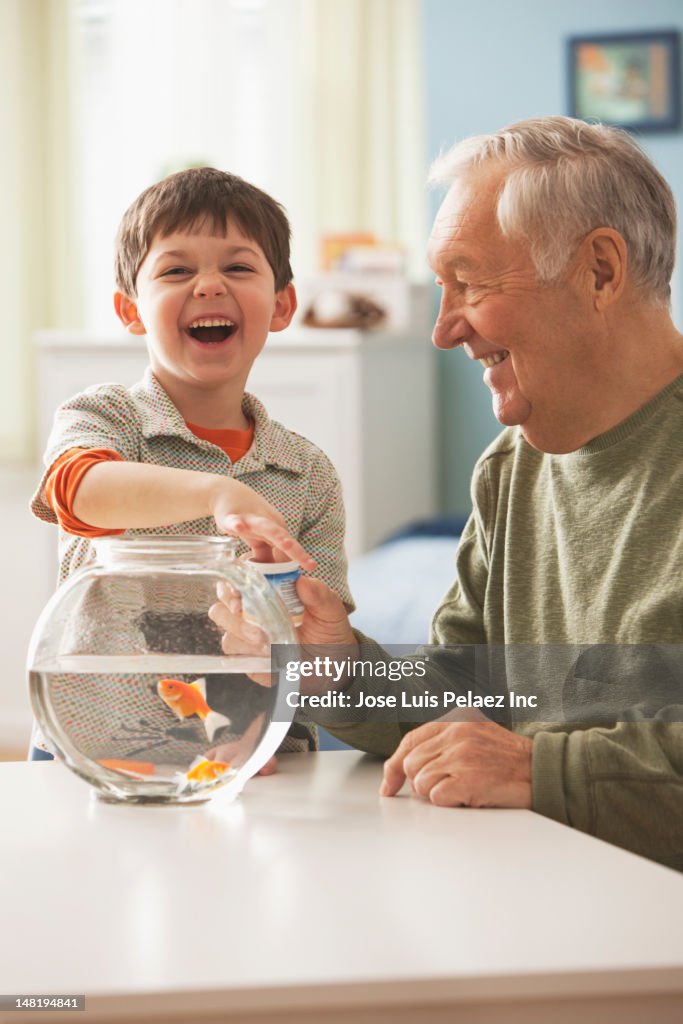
(263, 535)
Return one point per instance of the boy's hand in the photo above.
(241, 512)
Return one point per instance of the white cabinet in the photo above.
(366, 398)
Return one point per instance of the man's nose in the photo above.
(451, 328)
(210, 283)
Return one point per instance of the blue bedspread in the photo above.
(398, 586)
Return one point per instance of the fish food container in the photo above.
(282, 577)
(135, 688)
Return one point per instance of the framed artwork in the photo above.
(628, 80)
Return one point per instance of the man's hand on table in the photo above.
(462, 764)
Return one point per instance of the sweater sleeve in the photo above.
(457, 627)
(622, 784)
(460, 618)
(447, 668)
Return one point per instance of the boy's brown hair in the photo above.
(187, 198)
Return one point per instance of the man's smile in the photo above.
(493, 358)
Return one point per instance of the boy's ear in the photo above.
(285, 308)
(127, 312)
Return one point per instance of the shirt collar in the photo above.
(273, 444)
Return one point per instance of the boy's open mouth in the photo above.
(211, 331)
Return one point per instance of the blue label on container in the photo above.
(284, 584)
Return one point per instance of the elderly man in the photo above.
(553, 250)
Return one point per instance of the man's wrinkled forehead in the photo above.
(465, 220)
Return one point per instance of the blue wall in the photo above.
(488, 63)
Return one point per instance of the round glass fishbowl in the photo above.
(130, 682)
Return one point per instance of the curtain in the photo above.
(40, 246)
(368, 118)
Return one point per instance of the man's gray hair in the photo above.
(568, 177)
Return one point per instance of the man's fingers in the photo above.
(227, 592)
(319, 600)
(454, 764)
(444, 791)
(232, 622)
(269, 768)
(325, 619)
(395, 767)
(394, 777)
(426, 753)
(239, 636)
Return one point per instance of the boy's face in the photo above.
(206, 303)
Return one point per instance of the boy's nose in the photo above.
(209, 284)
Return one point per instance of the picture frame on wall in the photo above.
(631, 80)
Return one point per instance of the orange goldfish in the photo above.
(186, 699)
(202, 770)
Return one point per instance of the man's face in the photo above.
(206, 303)
(530, 338)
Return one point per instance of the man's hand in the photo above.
(325, 625)
(325, 619)
(462, 764)
(325, 622)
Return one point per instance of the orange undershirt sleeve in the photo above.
(63, 482)
(70, 468)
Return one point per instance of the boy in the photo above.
(203, 273)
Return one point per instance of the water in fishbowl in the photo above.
(172, 731)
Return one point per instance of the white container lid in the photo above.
(274, 568)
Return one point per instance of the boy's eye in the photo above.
(174, 271)
(239, 267)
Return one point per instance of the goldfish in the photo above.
(186, 699)
(202, 770)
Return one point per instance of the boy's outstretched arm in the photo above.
(120, 495)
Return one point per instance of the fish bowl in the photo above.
(129, 678)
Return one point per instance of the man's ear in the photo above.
(285, 308)
(605, 261)
(127, 312)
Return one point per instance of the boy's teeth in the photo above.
(210, 323)
(491, 360)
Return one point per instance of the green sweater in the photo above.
(580, 549)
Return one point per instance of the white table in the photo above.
(312, 899)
